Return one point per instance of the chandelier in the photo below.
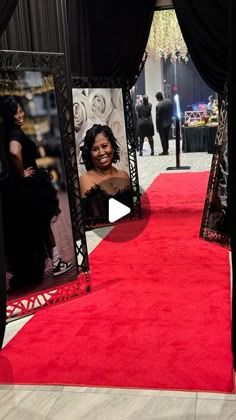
(165, 38)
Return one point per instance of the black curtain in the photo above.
(204, 27)
(105, 39)
(7, 8)
(35, 26)
(208, 29)
(108, 39)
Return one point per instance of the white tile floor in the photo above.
(77, 403)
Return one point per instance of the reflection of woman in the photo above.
(102, 180)
(30, 203)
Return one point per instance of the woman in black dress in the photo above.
(145, 125)
(30, 203)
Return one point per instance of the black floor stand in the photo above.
(177, 167)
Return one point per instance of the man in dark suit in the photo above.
(163, 121)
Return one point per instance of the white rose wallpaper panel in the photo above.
(100, 106)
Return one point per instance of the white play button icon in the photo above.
(117, 210)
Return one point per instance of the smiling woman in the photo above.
(105, 149)
(102, 180)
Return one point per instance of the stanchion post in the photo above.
(177, 140)
(177, 147)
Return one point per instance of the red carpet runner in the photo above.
(158, 316)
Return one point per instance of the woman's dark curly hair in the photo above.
(89, 142)
(8, 108)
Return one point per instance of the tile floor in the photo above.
(78, 403)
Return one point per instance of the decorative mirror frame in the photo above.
(215, 225)
(15, 61)
(113, 83)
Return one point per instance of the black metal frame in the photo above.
(215, 219)
(15, 61)
(113, 83)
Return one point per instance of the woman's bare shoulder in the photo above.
(90, 174)
(85, 176)
(122, 174)
(86, 182)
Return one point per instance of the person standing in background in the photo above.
(145, 125)
(163, 121)
(210, 105)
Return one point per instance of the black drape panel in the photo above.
(79, 37)
(204, 27)
(17, 35)
(36, 25)
(7, 8)
(108, 39)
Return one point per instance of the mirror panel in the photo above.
(45, 243)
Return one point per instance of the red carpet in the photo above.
(158, 316)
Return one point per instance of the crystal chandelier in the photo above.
(165, 38)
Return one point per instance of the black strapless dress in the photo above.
(95, 205)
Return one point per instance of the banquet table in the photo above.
(199, 139)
